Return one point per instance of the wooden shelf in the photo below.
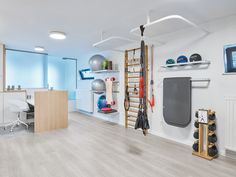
(106, 71)
(205, 62)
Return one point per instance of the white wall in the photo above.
(188, 42)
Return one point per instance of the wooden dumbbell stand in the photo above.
(203, 143)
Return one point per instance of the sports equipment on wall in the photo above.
(177, 101)
(170, 61)
(127, 99)
(109, 83)
(182, 59)
(98, 86)
(142, 119)
(195, 57)
(105, 64)
(95, 62)
(152, 98)
(102, 103)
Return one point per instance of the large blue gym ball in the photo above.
(102, 103)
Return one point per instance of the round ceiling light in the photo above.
(39, 49)
(57, 35)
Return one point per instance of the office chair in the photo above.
(17, 106)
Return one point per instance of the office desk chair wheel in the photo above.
(17, 123)
(17, 106)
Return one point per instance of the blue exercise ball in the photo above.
(95, 62)
(102, 103)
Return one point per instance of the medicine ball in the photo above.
(212, 138)
(212, 151)
(212, 116)
(196, 134)
(170, 61)
(195, 57)
(182, 59)
(196, 124)
(212, 127)
(195, 146)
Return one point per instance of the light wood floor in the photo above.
(95, 148)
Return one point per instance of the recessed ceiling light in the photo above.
(57, 35)
(39, 49)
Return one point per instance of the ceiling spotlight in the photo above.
(39, 49)
(57, 35)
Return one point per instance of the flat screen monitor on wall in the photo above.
(230, 58)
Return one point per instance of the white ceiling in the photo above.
(26, 23)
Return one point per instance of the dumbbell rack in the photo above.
(132, 80)
(203, 133)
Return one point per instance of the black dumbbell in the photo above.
(212, 138)
(212, 116)
(212, 127)
(196, 114)
(212, 151)
(195, 146)
(196, 124)
(196, 134)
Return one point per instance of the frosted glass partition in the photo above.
(34, 70)
(25, 69)
(62, 75)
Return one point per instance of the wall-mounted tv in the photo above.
(230, 58)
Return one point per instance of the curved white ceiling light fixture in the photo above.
(57, 35)
(113, 42)
(39, 49)
(149, 23)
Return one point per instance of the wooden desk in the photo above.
(51, 110)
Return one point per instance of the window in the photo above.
(62, 74)
(25, 69)
(230, 58)
(35, 70)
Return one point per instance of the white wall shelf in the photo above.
(205, 62)
(105, 71)
(96, 92)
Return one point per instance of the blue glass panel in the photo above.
(25, 69)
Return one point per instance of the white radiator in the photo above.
(230, 123)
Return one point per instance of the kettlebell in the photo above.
(212, 138)
(196, 134)
(195, 146)
(212, 151)
(212, 127)
(212, 116)
(196, 124)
